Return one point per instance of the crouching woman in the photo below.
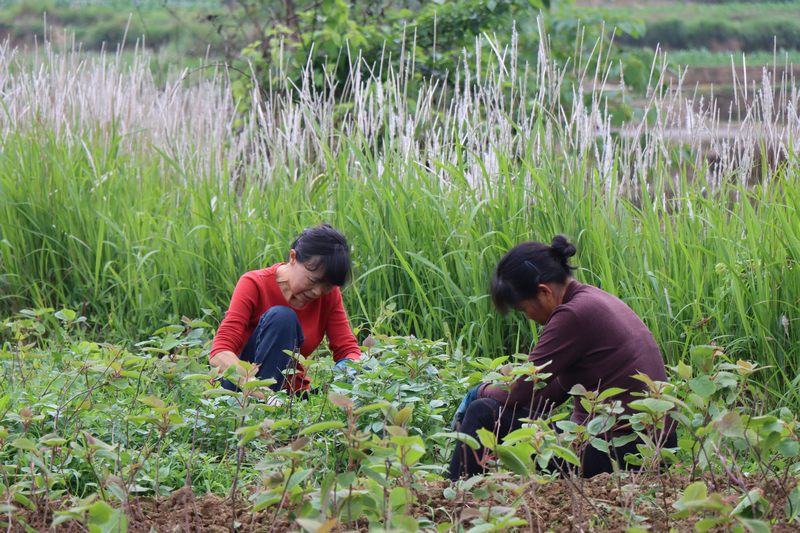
(289, 307)
(589, 338)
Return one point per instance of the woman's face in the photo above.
(540, 307)
(304, 285)
(533, 309)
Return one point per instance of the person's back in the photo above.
(593, 339)
(590, 337)
(614, 345)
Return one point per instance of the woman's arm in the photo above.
(560, 346)
(230, 335)
(341, 340)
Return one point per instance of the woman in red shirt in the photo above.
(289, 306)
(590, 337)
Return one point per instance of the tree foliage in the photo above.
(327, 35)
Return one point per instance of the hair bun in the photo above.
(562, 247)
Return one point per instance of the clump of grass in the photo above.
(137, 202)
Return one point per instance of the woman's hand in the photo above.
(222, 360)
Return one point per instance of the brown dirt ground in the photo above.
(602, 503)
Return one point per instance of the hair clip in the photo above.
(533, 267)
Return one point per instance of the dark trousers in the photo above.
(278, 330)
(489, 414)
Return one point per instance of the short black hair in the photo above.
(519, 273)
(322, 247)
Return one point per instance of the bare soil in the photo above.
(602, 503)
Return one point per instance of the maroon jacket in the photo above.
(592, 338)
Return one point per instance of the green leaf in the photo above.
(702, 357)
(600, 424)
(487, 438)
(405, 523)
(731, 425)
(100, 513)
(695, 492)
(257, 383)
(199, 377)
(403, 416)
(322, 426)
(566, 454)
(793, 504)
(410, 449)
(789, 447)
(514, 461)
(600, 444)
(66, 315)
(153, 401)
(469, 440)
(371, 407)
(608, 393)
(709, 523)
(216, 393)
(703, 386)
(298, 477)
(754, 526)
(265, 500)
(683, 370)
(24, 444)
(482, 528)
(577, 390)
(622, 440)
(652, 405)
(24, 500)
(52, 441)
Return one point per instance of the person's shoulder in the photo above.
(583, 294)
(596, 306)
(261, 274)
(583, 301)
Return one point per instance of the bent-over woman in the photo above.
(590, 337)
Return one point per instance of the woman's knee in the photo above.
(279, 316)
(484, 410)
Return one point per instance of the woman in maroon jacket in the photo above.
(589, 338)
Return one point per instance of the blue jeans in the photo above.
(278, 329)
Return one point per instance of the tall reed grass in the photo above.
(137, 203)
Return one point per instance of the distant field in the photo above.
(705, 34)
(182, 27)
(743, 11)
(708, 58)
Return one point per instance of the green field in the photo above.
(129, 208)
(707, 58)
(751, 27)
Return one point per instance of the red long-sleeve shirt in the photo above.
(256, 292)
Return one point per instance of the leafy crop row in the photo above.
(95, 425)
